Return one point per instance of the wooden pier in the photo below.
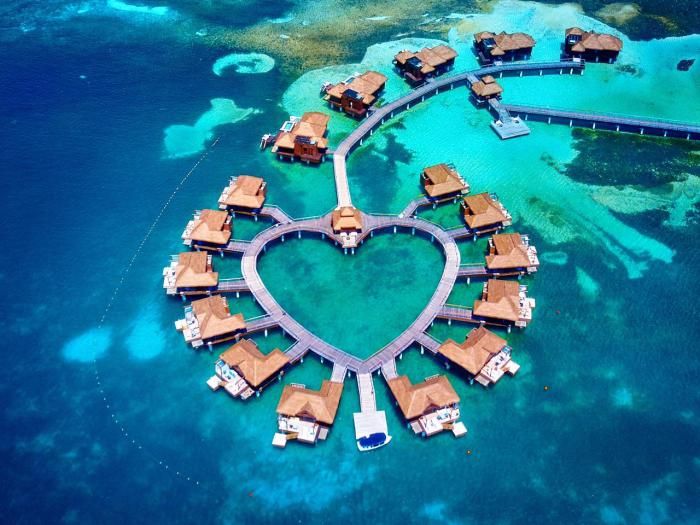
(619, 123)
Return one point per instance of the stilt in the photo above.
(549, 120)
(265, 332)
(421, 349)
(594, 125)
(299, 234)
(641, 131)
(413, 231)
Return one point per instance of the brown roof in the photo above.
(476, 350)
(246, 191)
(210, 227)
(481, 210)
(594, 41)
(508, 251)
(312, 125)
(214, 318)
(441, 179)
(430, 57)
(502, 301)
(346, 218)
(252, 364)
(416, 400)
(482, 88)
(506, 41)
(320, 405)
(194, 271)
(367, 84)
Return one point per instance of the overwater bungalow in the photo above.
(430, 407)
(208, 230)
(511, 253)
(245, 194)
(244, 370)
(429, 62)
(485, 89)
(355, 94)
(484, 213)
(589, 45)
(306, 415)
(504, 302)
(500, 47)
(209, 321)
(190, 273)
(442, 181)
(303, 138)
(483, 355)
(347, 222)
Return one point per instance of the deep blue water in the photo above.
(614, 439)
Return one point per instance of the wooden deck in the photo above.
(237, 284)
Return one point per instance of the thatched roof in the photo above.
(590, 40)
(486, 87)
(508, 251)
(246, 191)
(502, 301)
(476, 350)
(441, 179)
(312, 125)
(255, 367)
(347, 218)
(506, 42)
(214, 317)
(368, 84)
(194, 271)
(212, 227)
(430, 57)
(481, 210)
(320, 405)
(421, 398)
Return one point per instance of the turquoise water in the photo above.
(108, 419)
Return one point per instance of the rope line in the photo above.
(125, 272)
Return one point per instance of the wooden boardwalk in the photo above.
(236, 284)
(372, 223)
(658, 127)
(380, 115)
(428, 342)
(456, 313)
(339, 373)
(365, 387)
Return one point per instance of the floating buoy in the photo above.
(469, 452)
(546, 387)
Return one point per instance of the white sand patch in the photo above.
(91, 344)
(141, 9)
(589, 286)
(182, 140)
(244, 63)
(618, 13)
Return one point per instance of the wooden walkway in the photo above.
(456, 313)
(236, 246)
(236, 284)
(428, 342)
(372, 223)
(365, 387)
(339, 373)
(380, 115)
(276, 213)
(643, 126)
